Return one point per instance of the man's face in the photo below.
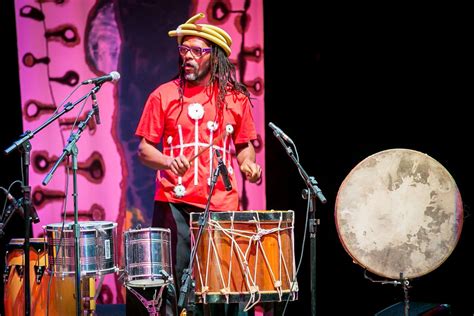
(196, 61)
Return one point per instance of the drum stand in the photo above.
(404, 282)
(309, 194)
(152, 306)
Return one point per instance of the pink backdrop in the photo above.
(59, 46)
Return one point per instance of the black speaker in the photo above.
(416, 309)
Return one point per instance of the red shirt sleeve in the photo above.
(152, 120)
(246, 129)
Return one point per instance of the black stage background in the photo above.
(397, 77)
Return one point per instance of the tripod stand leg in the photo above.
(153, 306)
(406, 306)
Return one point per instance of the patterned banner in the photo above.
(63, 43)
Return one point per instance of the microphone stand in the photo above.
(187, 284)
(24, 146)
(310, 193)
(71, 147)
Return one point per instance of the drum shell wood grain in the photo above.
(217, 256)
(61, 291)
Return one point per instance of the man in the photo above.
(205, 111)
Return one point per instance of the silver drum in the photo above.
(97, 248)
(147, 256)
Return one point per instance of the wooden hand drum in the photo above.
(245, 256)
(399, 214)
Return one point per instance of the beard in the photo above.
(191, 76)
(198, 74)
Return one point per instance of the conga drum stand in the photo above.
(88, 296)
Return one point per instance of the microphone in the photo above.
(17, 206)
(224, 172)
(113, 76)
(95, 106)
(278, 132)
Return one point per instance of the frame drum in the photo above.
(399, 214)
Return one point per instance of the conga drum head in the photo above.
(399, 214)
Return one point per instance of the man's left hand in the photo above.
(252, 171)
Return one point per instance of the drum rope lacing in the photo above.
(253, 237)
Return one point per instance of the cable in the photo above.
(308, 208)
(7, 191)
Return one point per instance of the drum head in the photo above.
(399, 211)
(84, 226)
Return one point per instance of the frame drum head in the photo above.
(399, 211)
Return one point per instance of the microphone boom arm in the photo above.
(27, 135)
(311, 182)
(70, 146)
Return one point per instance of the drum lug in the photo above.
(39, 271)
(6, 273)
(20, 270)
(121, 275)
(253, 289)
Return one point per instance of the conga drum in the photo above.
(399, 214)
(59, 290)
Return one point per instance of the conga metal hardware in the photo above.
(58, 301)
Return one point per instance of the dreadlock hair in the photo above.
(224, 74)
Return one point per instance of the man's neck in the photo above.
(198, 83)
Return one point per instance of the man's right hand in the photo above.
(179, 165)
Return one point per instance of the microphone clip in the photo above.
(223, 171)
(95, 107)
(279, 133)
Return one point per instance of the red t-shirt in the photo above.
(188, 129)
